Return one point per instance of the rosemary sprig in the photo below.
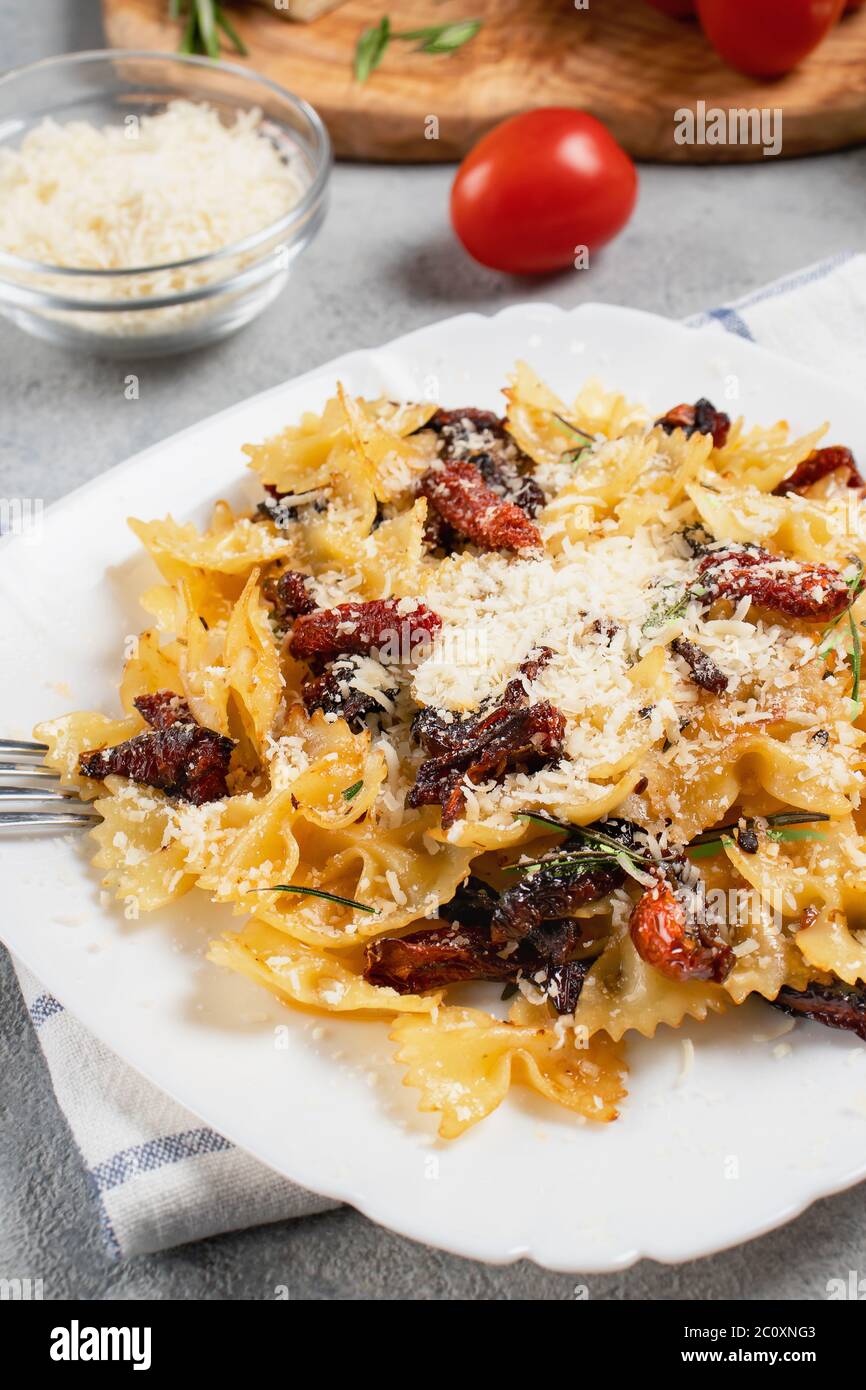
(590, 836)
(830, 642)
(203, 20)
(597, 849)
(317, 893)
(566, 427)
(709, 842)
(433, 38)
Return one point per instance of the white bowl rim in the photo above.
(297, 214)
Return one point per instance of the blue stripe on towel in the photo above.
(156, 1153)
(811, 275)
(730, 319)
(45, 1006)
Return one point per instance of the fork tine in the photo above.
(47, 820)
(38, 794)
(24, 747)
(44, 774)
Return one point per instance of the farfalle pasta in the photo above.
(562, 705)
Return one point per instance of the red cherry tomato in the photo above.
(766, 38)
(538, 187)
(678, 9)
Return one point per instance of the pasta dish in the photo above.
(521, 732)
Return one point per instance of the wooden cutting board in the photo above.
(629, 65)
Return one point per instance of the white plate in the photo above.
(696, 1162)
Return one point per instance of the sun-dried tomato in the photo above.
(179, 756)
(457, 491)
(436, 956)
(276, 508)
(561, 885)
(484, 748)
(565, 982)
(472, 905)
(464, 950)
(515, 692)
(835, 1005)
(705, 672)
(289, 595)
(506, 480)
(817, 466)
(163, 708)
(798, 590)
(466, 430)
(700, 418)
(361, 628)
(553, 891)
(661, 936)
(332, 692)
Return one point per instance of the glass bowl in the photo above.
(151, 310)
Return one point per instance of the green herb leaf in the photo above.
(230, 31)
(188, 39)
(541, 819)
(595, 839)
(832, 638)
(370, 49)
(661, 614)
(450, 37)
(316, 893)
(207, 27)
(705, 850)
(566, 427)
(856, 659)
(709, 842)
(442, 38)
(795, 835)
(349, 793)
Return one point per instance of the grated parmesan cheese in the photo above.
(166, 188)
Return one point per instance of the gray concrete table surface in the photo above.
(385, 263)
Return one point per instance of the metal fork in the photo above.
(24, 761)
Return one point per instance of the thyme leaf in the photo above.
(349, 793)
(661, 614)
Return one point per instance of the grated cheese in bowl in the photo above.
(150, 192)
(173, 227)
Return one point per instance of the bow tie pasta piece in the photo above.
(828, 943)
(622, 993)
(463, 1062)
(149, 667)
(231, 546)
(141, 867)
(301, 457)
(764, 456)
(71, 734)
(313, 978)
(819, 530)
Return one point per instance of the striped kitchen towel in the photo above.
(161, 1178)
